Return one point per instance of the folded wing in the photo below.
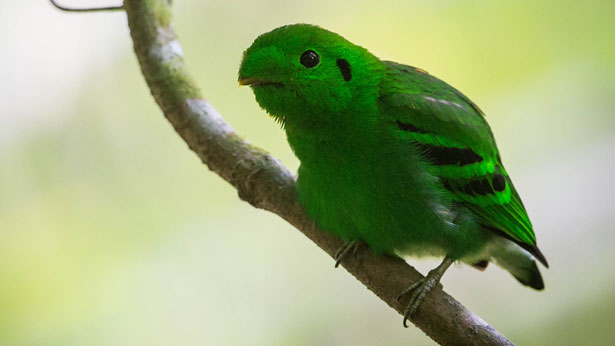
(451, 133)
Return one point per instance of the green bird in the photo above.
(391, 156)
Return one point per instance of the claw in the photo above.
(417, 297)
(420, 289)
(413, 303)
(409, 289)
(343, 251)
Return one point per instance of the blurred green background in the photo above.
(113, 233)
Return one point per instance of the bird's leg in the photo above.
(341, 253)
(420, 288)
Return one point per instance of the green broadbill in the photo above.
(391, 156)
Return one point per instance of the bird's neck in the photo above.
(334, 144)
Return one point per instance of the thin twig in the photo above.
(87, 9)
(264, 182)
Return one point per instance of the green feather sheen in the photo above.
(360, 135)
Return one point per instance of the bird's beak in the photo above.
(249, 81)
(252, 81)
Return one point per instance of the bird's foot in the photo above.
(419, 290)
(343, 251)
(421, 287)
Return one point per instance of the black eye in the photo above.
(309, 59)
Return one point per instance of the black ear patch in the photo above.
(345, 69)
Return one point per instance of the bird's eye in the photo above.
(309, 59)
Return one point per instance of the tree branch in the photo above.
(265, 183)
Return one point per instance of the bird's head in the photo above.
(305, 73)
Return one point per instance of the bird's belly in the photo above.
(391, 211)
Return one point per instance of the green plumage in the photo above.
(390, 155)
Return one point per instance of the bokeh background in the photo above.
(113, 233)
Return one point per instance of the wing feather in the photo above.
(451, 132)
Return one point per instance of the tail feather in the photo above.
(519, 262)
(532, 249)
(531, 278)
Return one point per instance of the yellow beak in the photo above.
(248, 81)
